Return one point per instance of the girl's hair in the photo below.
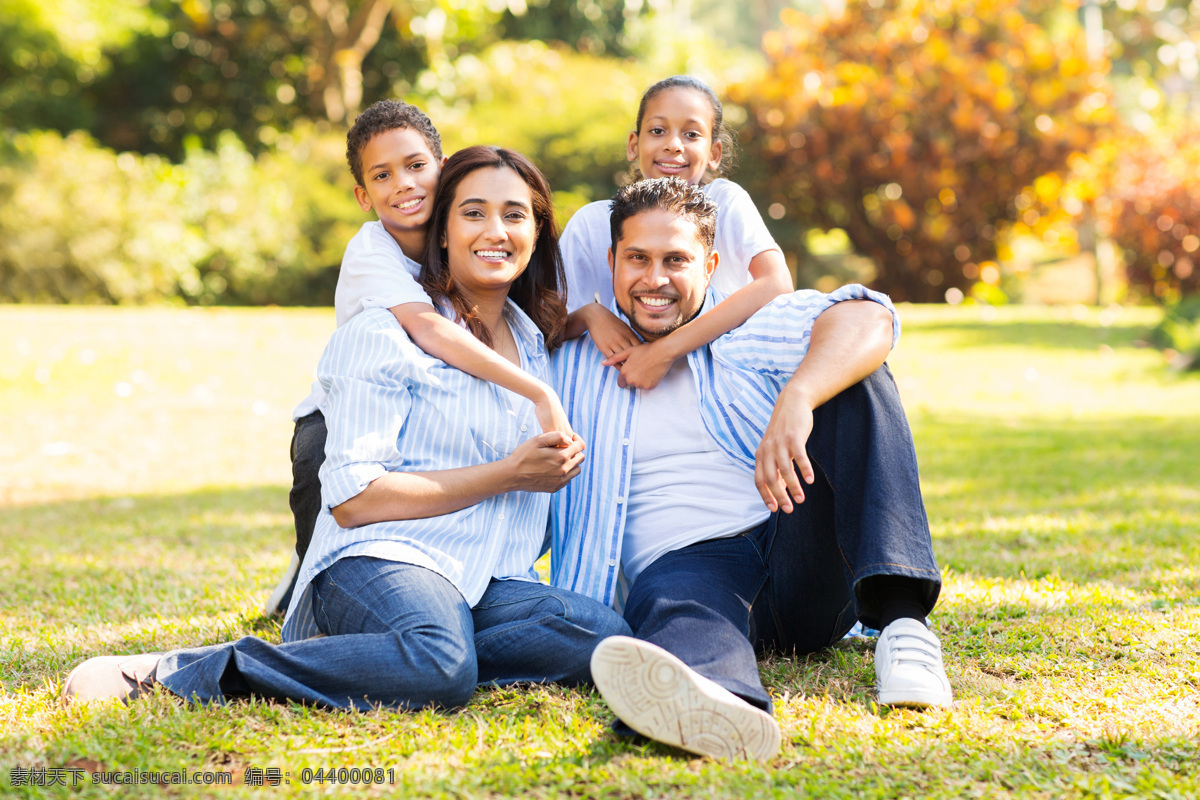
(537, 291)
(720, 132)
(384, 116)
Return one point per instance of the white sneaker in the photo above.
(281, 596)
(908, 667)
(659, 696)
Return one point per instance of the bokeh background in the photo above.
(983, 151)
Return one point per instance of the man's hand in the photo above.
(545, 463)
(642, 366)
(782, 446)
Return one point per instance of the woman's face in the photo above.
(490, 230)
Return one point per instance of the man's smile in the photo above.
(655, 302)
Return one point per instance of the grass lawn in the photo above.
(143, 506)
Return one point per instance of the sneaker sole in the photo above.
(659, 696)
(916, 699)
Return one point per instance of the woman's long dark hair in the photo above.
(537, 291)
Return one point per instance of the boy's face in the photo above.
(660, 271)
(400, 175)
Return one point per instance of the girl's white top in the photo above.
(741, 235)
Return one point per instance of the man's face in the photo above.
(660, 272)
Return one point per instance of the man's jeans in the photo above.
(402, 636)
(799, 581)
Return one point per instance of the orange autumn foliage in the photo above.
(914, 126)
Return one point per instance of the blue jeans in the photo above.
(402, 636)
(799, 581)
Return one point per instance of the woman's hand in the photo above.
(642, 366)
(609, 334)
(545, 463)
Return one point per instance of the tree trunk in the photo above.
(342, 41)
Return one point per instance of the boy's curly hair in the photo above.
(387, 115)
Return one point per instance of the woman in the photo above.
(419, 582)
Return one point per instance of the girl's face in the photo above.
(490, 230)
(676, 139)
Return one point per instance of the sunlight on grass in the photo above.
(143, 481)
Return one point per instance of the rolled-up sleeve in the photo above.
(775, 340)
(364, 374)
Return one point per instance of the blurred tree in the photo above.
(1150, 205)
(915, 126)
(51, 49)
(578, 140)
(256, 67)
(589, 26)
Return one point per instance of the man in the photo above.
(764, 495)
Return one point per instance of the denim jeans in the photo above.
(799, 581)
(402, 636)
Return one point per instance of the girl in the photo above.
(420, 582)
(680, 133)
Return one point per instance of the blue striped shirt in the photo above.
(393, 408)
(738, 379)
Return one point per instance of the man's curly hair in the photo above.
(387, 115)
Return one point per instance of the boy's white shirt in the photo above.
(741, 235)
(375, 273)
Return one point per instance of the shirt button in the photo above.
(612, 562)
(500, 515)
(620, 500)
(524, 428)
(625, 442)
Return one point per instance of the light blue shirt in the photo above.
(738, 378)
(393, 408)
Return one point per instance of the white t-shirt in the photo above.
(683, 489)
(375, 273)
(741, 235)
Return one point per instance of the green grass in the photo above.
(143, 486)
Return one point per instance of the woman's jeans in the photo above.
(402, 636)
(799, 581)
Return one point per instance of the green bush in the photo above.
(1180, 331)
(82, 224)
(568, 112)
